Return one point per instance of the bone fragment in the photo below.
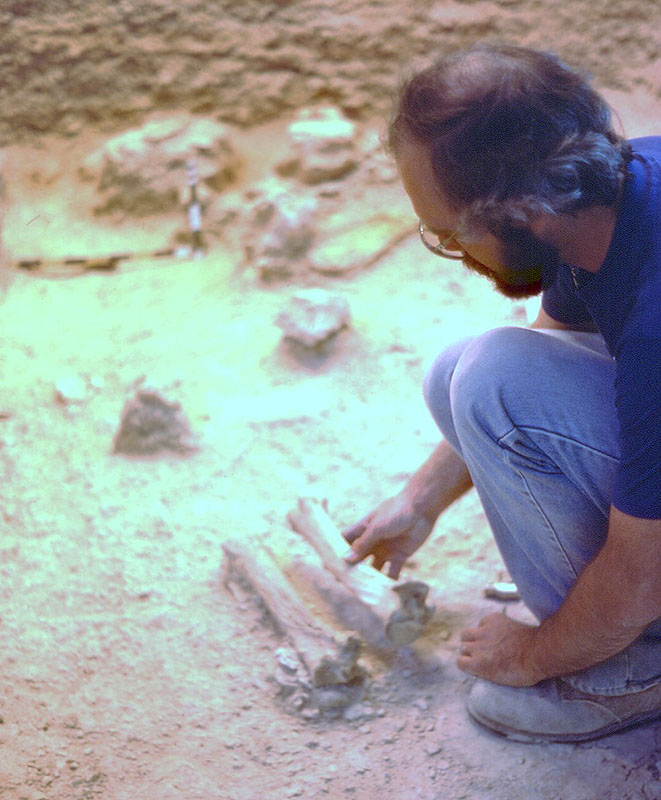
(401, 607)
(326, 660)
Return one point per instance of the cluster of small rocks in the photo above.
(338, 691)
(313, 317)
(286, 211)
(276, 225)
(142, 171)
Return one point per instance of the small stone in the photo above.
(313, 316)
(70, 390)
(358, 761)
(433, 748)
(330, 698)
(285, 679)
(323, 145)
(282, 228)
(365, 729)
(358, 711)
(150, 424)
(287, 659)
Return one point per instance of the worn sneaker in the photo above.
(553, 711)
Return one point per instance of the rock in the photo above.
(151, 424)
(70, 390)
(313, 316)
(287, 659)
(281, 228)
(323, 146)
(142, 171)
(357, 712)
(331, 698)
(357, 247)
(433, 748)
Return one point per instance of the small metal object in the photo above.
(194, 210)
(502, 590)
(441, 248)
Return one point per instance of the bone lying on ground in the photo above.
(326, 661)
(401, 607)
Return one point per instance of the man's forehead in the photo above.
(427, 199)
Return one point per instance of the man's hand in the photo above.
(500, 650)
(391, 533)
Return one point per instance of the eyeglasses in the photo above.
(441, 248)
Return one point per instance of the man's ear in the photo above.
(546, 227)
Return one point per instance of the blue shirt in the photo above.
(623, 300)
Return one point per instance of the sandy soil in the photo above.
(129, 670)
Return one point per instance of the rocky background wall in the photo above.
(66, 64)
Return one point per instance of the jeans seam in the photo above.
(559, 436)
(549, 527)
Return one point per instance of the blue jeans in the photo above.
(532, 414)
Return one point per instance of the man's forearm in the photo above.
(441, 480)
(612, 602)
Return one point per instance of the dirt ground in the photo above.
(129, 669)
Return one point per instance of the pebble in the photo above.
(287, 659)
(70, 389)
(433, 748)
(357, 711)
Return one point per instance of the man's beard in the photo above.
(530, 264)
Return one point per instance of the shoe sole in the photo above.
(541, 738)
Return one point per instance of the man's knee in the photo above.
(436, 386)
(495, 365)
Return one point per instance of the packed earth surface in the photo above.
(135, 663)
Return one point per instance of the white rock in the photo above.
(323, 146)
(71, 389)
(142, 171)
(313, 316)
(281, 229)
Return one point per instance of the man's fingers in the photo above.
(364, 544)
(470, 635)
(464, 663)
(396, 564)
(353, 558)
(356, 530)
(378, 562)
